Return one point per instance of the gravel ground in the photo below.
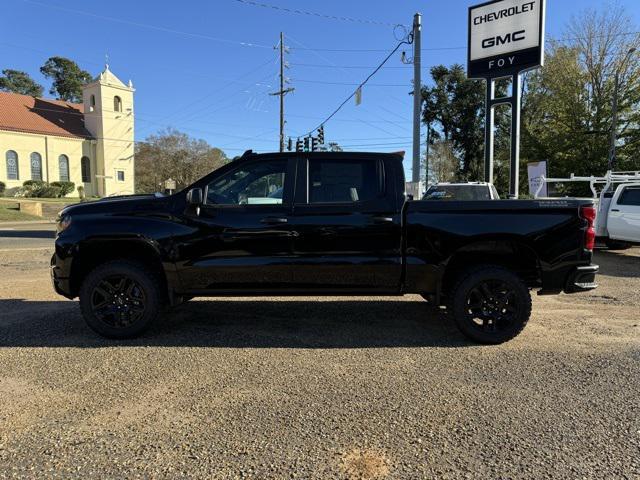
(319, 388)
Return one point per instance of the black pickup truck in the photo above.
(320, 224)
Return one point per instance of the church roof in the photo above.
(107, 77)
(22, 113)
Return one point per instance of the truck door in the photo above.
(348, 225)
(242, 239)
(624, 214)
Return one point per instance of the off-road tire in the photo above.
(146, 295)
(518, 304)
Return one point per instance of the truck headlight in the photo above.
(63, 222)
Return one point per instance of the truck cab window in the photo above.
(259, 183)
(344, 181)
(630, 196)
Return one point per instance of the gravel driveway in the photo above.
(319, 388)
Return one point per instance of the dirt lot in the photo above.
(318, 388)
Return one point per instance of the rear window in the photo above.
(344, 181)
(457, 192)
(630, 196)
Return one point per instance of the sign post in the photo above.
(506, 38)
(170, 184)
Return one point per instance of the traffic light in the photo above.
(289, 144)
(321, 135)
(314, 144)
(298, 145)
(306, 144)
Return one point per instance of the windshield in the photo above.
(457, 192)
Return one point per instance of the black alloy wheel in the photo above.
(120, 299)
(490, 304)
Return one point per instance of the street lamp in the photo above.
(614, 120)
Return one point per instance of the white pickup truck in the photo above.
(617, 196)
(461, 191)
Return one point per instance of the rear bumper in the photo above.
(582, 279)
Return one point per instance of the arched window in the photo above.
(92, 103)
(12, 166)
(117, 104)
(63, 165)
(85, 168)
(36, 166)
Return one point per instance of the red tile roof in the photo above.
(22, 113)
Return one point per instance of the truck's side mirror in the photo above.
(194, 196)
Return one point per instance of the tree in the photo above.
(68, 78)
(443, 164)
(173, 154)
(19, 82)
(455, 104)
(567, 105)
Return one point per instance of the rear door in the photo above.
(347, 224)
(624, 214)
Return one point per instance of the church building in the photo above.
(90, 144)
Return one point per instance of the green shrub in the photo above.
(34, 183)
(65, 187)
(39, 189)
(81, 192)
(3, 187)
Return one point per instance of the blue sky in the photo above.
(207, 67)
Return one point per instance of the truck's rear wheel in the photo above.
(120, 299)
(617, 245)
(490, 304)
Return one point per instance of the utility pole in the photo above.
(282, 92)
(417, 94)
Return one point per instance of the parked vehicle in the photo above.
(617, 199)
(461, 191)
(342, 226)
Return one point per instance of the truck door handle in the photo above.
(274, 220)
(615, 210)
(382, 220)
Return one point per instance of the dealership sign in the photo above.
(505, 37)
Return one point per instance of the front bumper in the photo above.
(60, 277)
(582, 279)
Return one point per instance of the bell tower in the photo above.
(108, 116)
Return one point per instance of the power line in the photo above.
(439, 49)
(147, 25)
(322, 82)
(370, 50)
(377, 69)
(343, 119)
(350, 67)
(316, 14)
(190, 114)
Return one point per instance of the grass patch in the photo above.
(64, 200)
(9, 213)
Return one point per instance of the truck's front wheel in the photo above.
(120, 299)
(490, 304)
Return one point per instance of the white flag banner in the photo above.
(537, 170)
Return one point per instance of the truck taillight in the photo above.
(589, 214)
